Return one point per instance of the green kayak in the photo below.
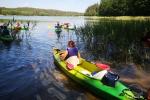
(6, 38)
(58, 29)
(71, 28)
(24, 28)
(82, 75)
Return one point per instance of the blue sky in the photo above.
(66, 5)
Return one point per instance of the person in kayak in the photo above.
(58, 25)
(71, 55)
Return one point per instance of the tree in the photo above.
(120, 8)
(105, 7)
(142, 7)
(92, 10)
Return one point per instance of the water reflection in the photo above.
(58, 34)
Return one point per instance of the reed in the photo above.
(115, 39)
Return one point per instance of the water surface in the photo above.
(27, 71)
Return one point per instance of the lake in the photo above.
(27, 71)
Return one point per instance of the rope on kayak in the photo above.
(124, 92)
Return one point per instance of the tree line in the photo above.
(119, 8)
(36, 12)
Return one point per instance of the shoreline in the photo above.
(120, 17)
(124, 18)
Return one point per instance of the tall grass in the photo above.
(116, 40)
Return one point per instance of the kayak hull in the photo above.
(6, 38)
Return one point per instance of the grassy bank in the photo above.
(119, 17)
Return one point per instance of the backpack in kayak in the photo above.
(110, 79)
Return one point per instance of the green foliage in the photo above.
(35, 11)
(92, 10)
(106, 7)
(142, 7)
(121, 8)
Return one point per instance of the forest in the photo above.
(119, 8)
(36, 12)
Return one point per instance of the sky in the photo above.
(65, 5)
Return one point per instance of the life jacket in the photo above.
(72, 52)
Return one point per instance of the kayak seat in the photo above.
(89, 66)
(83, 71)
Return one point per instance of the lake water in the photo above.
(27, 71)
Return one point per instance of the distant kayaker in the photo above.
(66, 25)
(57, 25)
(71, 55)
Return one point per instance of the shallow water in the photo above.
(27, 71)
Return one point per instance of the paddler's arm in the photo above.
(78, 55)
(63, 55)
